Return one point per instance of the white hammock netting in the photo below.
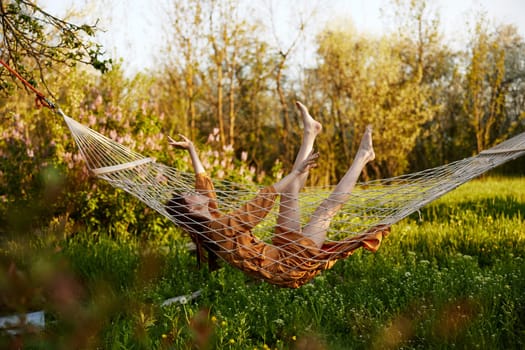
(373, 204)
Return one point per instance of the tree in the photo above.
(363, 80)
(283, 55)
(183, 85)
(217, 75)
(485, 91)
(514, 81)
(33, 41)
(428, 62)
(226, 33)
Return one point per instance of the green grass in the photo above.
(450, 276)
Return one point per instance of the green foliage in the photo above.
(371, 71)
(485, 89)
(34, 41)
(450, 276)
(415, 90)
(42, 172)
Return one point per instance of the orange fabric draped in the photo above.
(291, 260)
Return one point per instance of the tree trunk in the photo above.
(220, 116)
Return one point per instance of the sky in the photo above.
(134, 29)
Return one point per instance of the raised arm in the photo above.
(188, 145)
(203, 183)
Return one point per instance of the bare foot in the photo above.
(310, 124)
(366, 148)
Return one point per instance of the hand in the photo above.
(186, 143)
(309, 163)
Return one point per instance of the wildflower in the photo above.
(223, 323)
(91, 120)
(294, 338)
(164, 336)
(232, 341)
(214, 319)
(98, 101)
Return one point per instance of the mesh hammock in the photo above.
(283, 258)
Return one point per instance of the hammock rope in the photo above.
(361, 222)
(40, 99)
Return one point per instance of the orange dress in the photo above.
(291, 260)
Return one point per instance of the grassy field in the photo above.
(450, 276)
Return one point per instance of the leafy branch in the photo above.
(33, 41)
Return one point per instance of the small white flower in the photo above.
(279, 322)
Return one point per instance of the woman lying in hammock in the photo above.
(297, 253)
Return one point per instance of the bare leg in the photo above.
(320, 221)
(289, 214)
